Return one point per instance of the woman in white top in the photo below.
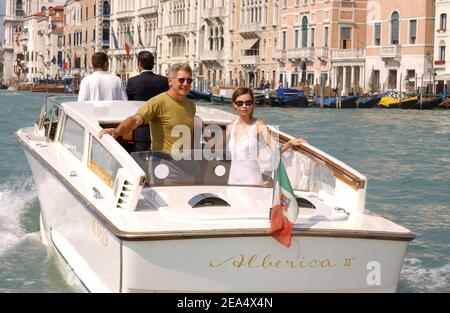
(244, 135)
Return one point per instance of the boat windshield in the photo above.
(195, 169)
(60, 99)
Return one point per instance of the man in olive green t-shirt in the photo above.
(166, 111)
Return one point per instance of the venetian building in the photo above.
(41, 44)
(213, 38)
(442, 46)
(86, 30)
(400, 40)
(254, 41)
(15, 11)
(178, 35)
(1, 64)
(322, 41)
(134, 27)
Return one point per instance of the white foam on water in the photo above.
(14, 196)
(423, 279)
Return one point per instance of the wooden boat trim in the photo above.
(213, 233)
(338, 171)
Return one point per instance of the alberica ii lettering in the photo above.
(268, 262)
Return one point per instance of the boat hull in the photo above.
(104, 262)
(368, 103)
(197, 95)
(260, 264)
(89, 249)
(289, 101)
(223, 100)
(52, 89)
(427, 104)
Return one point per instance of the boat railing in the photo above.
(325, 175)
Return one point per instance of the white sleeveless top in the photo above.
(244, 157)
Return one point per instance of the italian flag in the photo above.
(284, 208)
(67, 61)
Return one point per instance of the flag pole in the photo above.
(275, 176)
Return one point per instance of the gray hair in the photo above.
(174, 68)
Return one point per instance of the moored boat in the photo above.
(367, 102)
(49, 88)
(288, 97)
(224, 98)
(396, 101)
(427, 103)
(444, 104)
(132, 223)
(198, 95)
(330, 102)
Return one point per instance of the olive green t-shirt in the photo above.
(164, 113)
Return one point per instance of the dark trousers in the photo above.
(141, 138)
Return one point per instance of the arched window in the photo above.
(395, 28)
(106, 8)
(304, 32)
(19, 8)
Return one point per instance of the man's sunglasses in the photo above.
(182, 80)
(241, 103)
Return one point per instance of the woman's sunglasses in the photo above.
(182, 80)
(241, 103)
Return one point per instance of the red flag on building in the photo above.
(127, 50)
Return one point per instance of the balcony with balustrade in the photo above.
(212, 13)
(280, 55)
(150, 10)
(212, 55)
(176, 29)
(250, 30)
(249, 59)
(390, 52)
(322, 53)
(300, 54)
(124, 15)
(348, 54)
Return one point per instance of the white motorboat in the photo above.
(128, 223)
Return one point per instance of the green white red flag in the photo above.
(284, 208)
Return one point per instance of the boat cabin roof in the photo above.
(110, 112)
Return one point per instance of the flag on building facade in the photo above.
(139, 36)
(67, 61)
(130, 38)
(284, 208)
(129, 43)
(127, 50)
(116, 43)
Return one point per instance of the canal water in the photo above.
(405, 155)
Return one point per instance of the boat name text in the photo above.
(100, 232)
(268, 261)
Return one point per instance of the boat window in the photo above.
(102, 163)
(73, 137)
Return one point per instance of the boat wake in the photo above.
(419, 278)
(16, 196)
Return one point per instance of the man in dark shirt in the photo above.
(143, 87)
